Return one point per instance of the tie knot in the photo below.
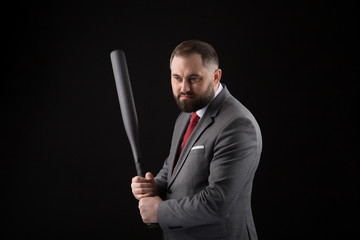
(194, 117)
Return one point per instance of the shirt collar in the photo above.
(201, 112)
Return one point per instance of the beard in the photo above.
(197, 101)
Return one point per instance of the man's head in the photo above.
(195, 74)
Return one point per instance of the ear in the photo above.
(217, 76)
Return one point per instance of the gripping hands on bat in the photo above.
(144, 190)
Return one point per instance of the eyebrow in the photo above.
(191, 75)
(194, 75)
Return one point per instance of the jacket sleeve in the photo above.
(235, 158)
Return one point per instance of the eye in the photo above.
(177, 78)
(194, 78)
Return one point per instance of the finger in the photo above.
(138, 197)
(149, 176)
(142, 190)
(145, 195)
(142, 184)
(138, 179)
(145, 187)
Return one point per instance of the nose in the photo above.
(185, 86)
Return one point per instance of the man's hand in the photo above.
(148, 209)
(143, 187)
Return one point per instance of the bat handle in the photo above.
(138, 167)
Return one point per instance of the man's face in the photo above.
(192, 83)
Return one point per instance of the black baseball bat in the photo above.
(127, 105)
(128, 110)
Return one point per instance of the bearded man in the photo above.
(203, 190)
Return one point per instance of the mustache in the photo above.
(189, 94)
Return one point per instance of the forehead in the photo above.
(190, 63)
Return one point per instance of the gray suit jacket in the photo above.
(208, 196)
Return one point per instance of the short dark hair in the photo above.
(207, 52)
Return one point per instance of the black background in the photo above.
(67, 163)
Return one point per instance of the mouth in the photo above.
(186, 97)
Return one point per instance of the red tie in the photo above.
(193, 122)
